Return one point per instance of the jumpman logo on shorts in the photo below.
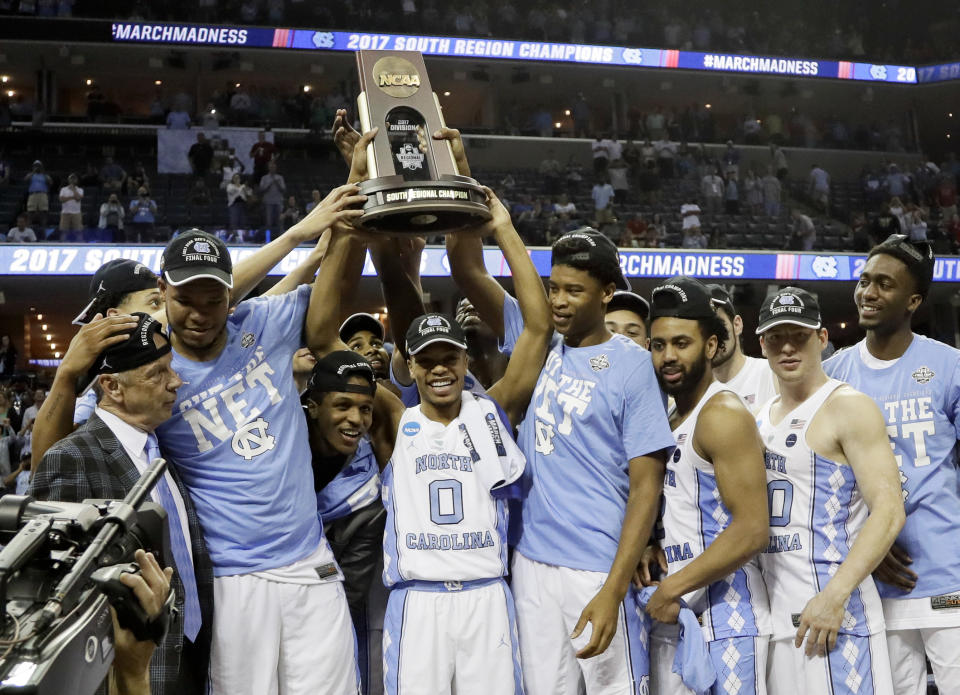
(503, 642)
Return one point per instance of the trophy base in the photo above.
(395, 206)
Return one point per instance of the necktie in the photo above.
(178, 544)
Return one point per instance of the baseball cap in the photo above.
(587, 246)
(193, 255)
(433, 328)
(137, 350)
(111, 281)
(360, 322)
(332, 372)
(720, 297)
(790, 305)
(916, 255)
(681, 297)
(622, 299)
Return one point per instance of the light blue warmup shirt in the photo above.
(239, 441)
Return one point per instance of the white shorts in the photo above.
(909, 650)
(451, 637)
(281, 638)
(740, 664)
(550, 600)
(856, 666)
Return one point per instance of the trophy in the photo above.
(414, 185)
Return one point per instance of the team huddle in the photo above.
(542, 519)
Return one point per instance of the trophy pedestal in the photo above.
(397, 206)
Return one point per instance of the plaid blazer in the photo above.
(91, 463)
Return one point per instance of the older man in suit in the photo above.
(105, 457)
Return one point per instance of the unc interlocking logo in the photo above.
(599, 363)
(634, 56)
(825, 266)
(878, 72)
(923, 375)
(787, 299)
(247, 340)
(453, 586)
(252, 439)
(323, 39)
(202, 247)
(410, 157)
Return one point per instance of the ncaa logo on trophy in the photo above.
(414, 185)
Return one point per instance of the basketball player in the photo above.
(363, 333)
(714, 516)
(448, 463)
(596, 437)
(627, 315)
(835, 510)
(749, 377)
(484, 358)
(916, 383)
(239, 440)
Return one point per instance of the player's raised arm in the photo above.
(304, 273)
(513, 391)
(861, 438)
(465, 253)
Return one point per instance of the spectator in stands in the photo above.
(872, 187)
(38, 194)
(656, 232)
(238, 193)
(952, 231)
(91, 177)
(551, 171)
(690, 226)
(315, 200)
(603, 195)
(752, 193)
(111, 218)
(771, 187)
(112, 176)
(581, 116)
(601, 156)
(178, 118)
(210, 118)
(666, 154)
(656, 123)
(30, 414)
(71, 211)
(631, 155)
(778, 160)
(291, 213)
(945, 196)
(241, 106)
(200, 155)
(8, 365)
(262, 153)
(685, 164)
(21, 233)
(648, 152)
(712, 189)
(620, 180)
(803, 233)
(542, 122)
(272, 190)
(143, 217)
(898, 210)
(232, 165)
(574, 175)
(4, 169)
(198, 198)
(818, 187)
(731, 195)
(885, 224)
(896, 182)
(137, 180)
(565, 208)
(731, 160)
(916, 223)
(634, 232)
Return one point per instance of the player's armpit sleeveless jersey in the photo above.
(816, 512)
(354, 487)
(693, 516)
(594, 409)
(919, 396)
(444, 492)
(239, 441)
(754, 383)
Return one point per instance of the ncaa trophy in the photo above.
(409, 190)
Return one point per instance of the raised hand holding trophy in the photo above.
(414, 186)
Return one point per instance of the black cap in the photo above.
(137, 350)
(360, 322)
(433, 328)
(332, 372)
(720, 297)
(916, 255)
(113, 280)
(588, 247)
(193, 255)
(622, 299)
(790, 305)
(681, 297)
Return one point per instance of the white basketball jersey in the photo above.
(754, 383)
(816, 512)
(444, 490)
(693, 516)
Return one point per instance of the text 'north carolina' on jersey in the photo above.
(444, 490)
(816, 512)
(919, 396)
(693, 516)
(354, 487)
(239, 440)
(594, 409)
